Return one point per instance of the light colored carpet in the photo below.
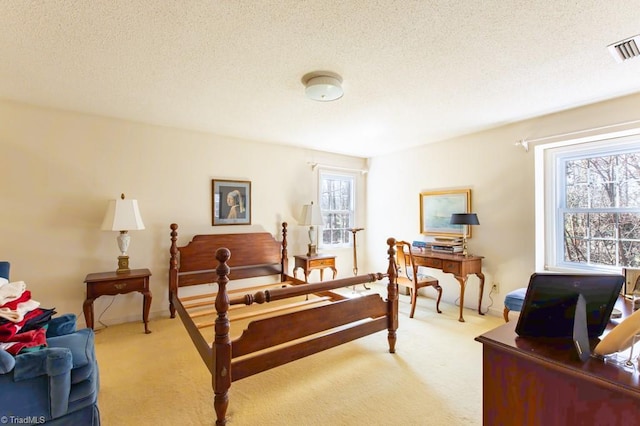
(434, 378)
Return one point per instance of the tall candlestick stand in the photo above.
(355, 254)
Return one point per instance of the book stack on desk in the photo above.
(447, 245)
(421, 245)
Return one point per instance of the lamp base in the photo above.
(123, 264)
(465, 252)
(313, 250)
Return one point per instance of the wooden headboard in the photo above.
(254, 254)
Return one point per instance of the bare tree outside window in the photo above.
(337, 201)
(600, 209)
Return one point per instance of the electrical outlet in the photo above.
(495, 288)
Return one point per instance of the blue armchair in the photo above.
(57, 385)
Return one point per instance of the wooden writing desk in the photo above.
(458, 265)
(536, 381)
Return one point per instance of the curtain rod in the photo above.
(525, 143)
(348, 169)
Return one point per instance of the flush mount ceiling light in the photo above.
(323, 86)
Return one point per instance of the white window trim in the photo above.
(546, 193)
(338, 172)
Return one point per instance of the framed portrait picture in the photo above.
(231, 202)
(436, 208)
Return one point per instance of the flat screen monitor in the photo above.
(550, 303)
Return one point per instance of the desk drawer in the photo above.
(321, 263)
(115, 287)
(428, 262)
(451, 267)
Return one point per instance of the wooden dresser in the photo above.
(542, 382)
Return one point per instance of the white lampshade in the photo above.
(122, 215)
(311, 215)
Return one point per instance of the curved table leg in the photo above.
(87, 307)
(463, 284)
(145, 310)
(481, 276)
(335, 272)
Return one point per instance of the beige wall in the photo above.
(60, 169)
(501, 177)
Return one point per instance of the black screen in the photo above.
(550, 303)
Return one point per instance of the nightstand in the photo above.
(112, 283)
(309, 263)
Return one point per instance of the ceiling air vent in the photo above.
(625, 49)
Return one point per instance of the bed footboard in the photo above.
(362, 316)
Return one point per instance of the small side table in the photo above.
(309, 263)
(112, 283)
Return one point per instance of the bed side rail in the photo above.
(274, 294)
(203, 347)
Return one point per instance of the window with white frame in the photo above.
(337, 203)
(592, 198)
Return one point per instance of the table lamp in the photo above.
(311, 216)
(124, 216)
(465, 219)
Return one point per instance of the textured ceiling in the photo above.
(414, 71)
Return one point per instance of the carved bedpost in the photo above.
(222, 342)
(173, 269)
(392, 295)
(285, 256)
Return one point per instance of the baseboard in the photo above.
(122, 320)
